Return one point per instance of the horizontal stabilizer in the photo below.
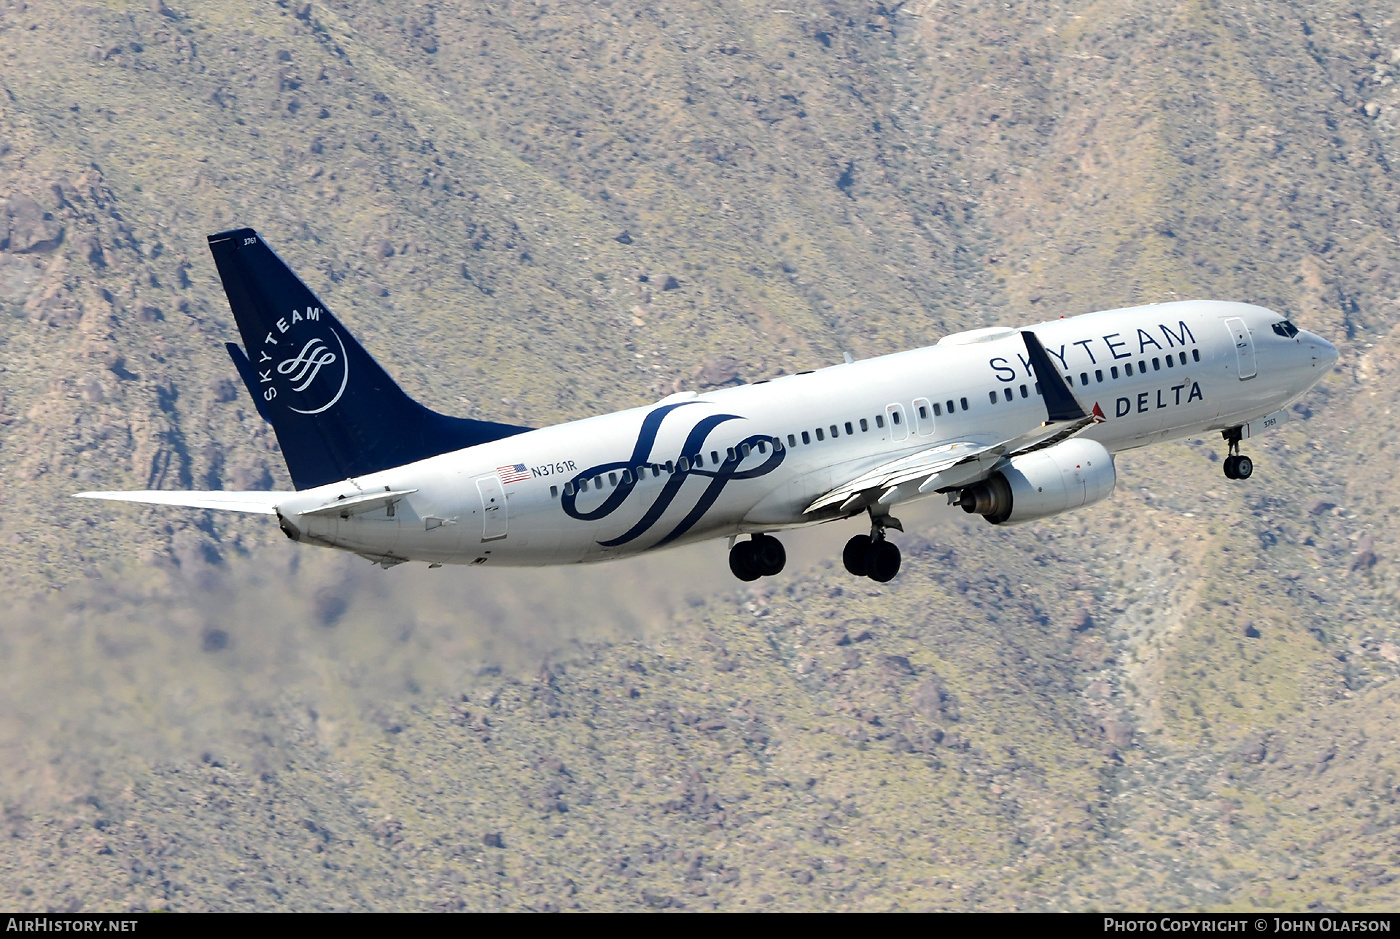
(260, 503)
(347, 506)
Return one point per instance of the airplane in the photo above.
(1010, 424)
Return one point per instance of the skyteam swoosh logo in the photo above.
(303, 370)
(719, 477)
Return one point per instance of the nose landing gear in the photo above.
(871, 555)
(1237, 466)
(760, 556)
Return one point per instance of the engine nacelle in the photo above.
(1069, 475)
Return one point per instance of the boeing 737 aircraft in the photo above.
(1013, 425)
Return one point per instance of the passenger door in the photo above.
(493, 507)
(1244, 347)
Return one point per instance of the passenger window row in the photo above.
(1171, 361)
(1008, 392)
(938, 408)
(835, 431)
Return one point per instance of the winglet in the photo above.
(1060, 404)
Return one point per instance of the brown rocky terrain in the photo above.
(536, 211)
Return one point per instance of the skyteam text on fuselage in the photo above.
(1014, 425)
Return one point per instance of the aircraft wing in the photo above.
(261, 503)
(962, 463)
(942, 467)
(868, 489)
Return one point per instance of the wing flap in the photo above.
(915, 466)
(259, 503)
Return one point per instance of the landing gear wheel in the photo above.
(769, 555)
(1237, 466)
(882, 561)
(854, 555)
(743, 561)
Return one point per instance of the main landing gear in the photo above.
(871, 555)
(1237, 466)
(760, 556)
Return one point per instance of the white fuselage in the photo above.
(518, 501)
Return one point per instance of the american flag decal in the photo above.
(514, 473)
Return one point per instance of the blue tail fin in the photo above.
(336, 412)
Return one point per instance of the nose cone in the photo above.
(1324, 353)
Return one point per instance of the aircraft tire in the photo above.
(1244, 467)
(1230, 467)
(854, 554)
(769, 555)
(882, 562)
(743, 561)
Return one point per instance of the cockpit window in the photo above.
(1285, 329)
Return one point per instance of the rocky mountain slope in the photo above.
(536, 211)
